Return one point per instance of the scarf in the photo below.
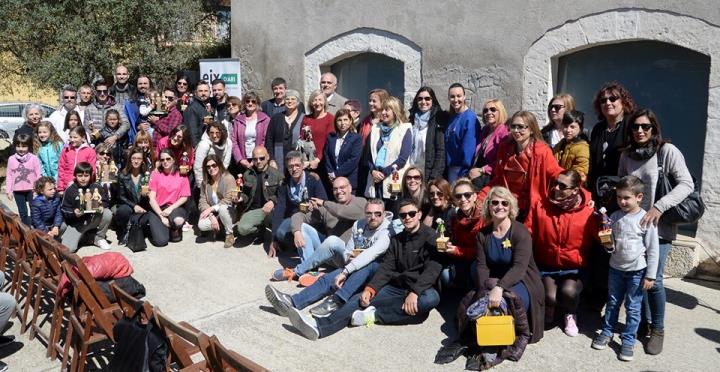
(297, 190)
(23, 158)
(567, 204)
(385, 133)
(643, 152)
(421, 122)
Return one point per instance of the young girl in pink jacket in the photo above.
(23, 169)
(77, 151)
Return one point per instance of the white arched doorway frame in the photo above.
(629, 25)
(365, 40)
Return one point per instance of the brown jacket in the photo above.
(225, 192)
(574, 155)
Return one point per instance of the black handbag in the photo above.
(687, 211)
(127, 284)
(135, 235)
(139, 347)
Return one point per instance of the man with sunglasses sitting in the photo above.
(104, 102)
(259, 194)
(401, 292)
(333, 220)
(357, 261)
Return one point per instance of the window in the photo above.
(10, 111)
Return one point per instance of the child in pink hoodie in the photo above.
(23, 169)
(77, 151)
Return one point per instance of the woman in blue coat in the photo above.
(461, 134)
(343, 149)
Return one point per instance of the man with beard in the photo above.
(219, 99)
(96, 111)
(199, 108)
(138, 108)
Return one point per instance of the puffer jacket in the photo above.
(96, 111)
(573, 155)
(45, 213)
(69, 158)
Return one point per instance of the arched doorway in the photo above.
(668, 79)
(359, 74)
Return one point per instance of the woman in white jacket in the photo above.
(216, 142)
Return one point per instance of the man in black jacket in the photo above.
(401, 292)
(198, 109)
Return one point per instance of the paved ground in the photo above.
(220, 291)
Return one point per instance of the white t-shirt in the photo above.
(250, 134)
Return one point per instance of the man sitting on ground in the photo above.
(401, 292)
(259, 194)
(333, 219)
(371, 238)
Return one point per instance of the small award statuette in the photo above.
(239, 183)
(158, 103)
(145, 184)
(395, 186)
(605, 233)
(112, 171)
(88, 202)
(94, 131)
(184, 101)
(304, 205)
(81, 199)
(96, 201)
(184, 164)
(359, 241)
(442, 240)
(208, 118)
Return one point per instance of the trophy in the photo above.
(158, 103)
(81, 200)
(145, 188)
(395, 186)
(184, 101)
(304, 205)
(112, 171)
(94, 131)
(239, 183)
(442, 240)
(306, 146)
(605, 233)
(184, 164)
(96, 201)
(88, 199)
(208, 118)
(359, 241)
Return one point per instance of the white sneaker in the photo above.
(363, 317)
(103, 244)
(187, 227)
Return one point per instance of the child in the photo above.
(75, 206)
(23, 169)
(112, 125)
(47, 145)
(46, 213)
(573, 151)
(630, 272)
(72, 120)
(143, 141)
(76, 152)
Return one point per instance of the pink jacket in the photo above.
(494, 139)
(69, 158)
(22, 172)
(238, 134)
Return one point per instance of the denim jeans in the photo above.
(654, 299)
(331, 251)
(388, 303)
(354, 283)
(22, 200)
(313, 239)
(627, 285)
(461, 273)
(282, 234)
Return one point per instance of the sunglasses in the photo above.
(489, 109)
(166, 159)
(428, 99)
(251, 101)
(439, 194)
(518, 127)
(466, 195)
(170, 98)
(561, 186)
(375, 214)
(414, 178)
(495, 203)
(104, 91)
(181, 83)
(612, 99)
(260, 158)
(69, 97)
(644, 126)
(556, 107)
(211, 166)
(404, 215)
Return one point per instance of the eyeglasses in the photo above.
(259, 158)
(438, 194)
(166, 159)
(404, 215)
(612, 99)
(413, 178)
(211, 166)
(644, 126)
(104, 153)
(489, 109)
(428, 99)
(495, 203)
(326, 83)
(518, 127)
(233, 104)
(181, 83)
(556, 107)
(69, 97)
(371, 214)
(466, 195)
(561, 186)
(293, 166)
(252, 101)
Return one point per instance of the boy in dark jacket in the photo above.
(83, 216)
(45, 208)
(401, 292)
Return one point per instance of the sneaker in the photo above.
(303, 323)
(6, 340)
(626, 353)
(3, 367)
(283, 274)
(571, 328)
(103, 244)
(601, 342)
(309, 278)
(281, 302)
(187, 227)
(655, 344)
(363, 317)
(327, 307)
(229, 240)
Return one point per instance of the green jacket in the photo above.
(272, 180)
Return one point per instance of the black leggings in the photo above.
(563, 292)
(159, 233)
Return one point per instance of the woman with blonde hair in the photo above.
(388, 150)
(552, 132)
(492, 134)
(319, 124)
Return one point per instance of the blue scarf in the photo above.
(385, 132)
(421, 122)
(296, 190)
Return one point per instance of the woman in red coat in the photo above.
(563, 230)
(464, 226)
(525, 164)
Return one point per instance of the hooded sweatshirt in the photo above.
(376, 243)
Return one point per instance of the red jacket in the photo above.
(562, 239)
(464, 230)
(543, 170)
(69, 158)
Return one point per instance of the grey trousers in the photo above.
(226, 215)
(73, 234)
(7, 306)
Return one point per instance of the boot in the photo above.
(655, 344)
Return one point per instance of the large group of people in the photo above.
(383, 212)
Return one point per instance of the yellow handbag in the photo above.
(495, 330)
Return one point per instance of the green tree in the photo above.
(74, 41)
